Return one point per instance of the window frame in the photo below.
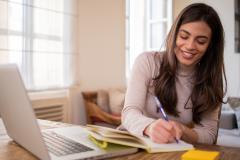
(167, 20)
(131, 19)
(30, 38)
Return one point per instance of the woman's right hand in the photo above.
(161, 131)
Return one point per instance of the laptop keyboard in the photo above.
(62, 146)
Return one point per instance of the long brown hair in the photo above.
(207, 93)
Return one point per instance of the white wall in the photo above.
(101, 62)
(101, 48)
(225, 9)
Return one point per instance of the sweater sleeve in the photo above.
(207, 131)
(133, 118)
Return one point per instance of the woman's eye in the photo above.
(184, 37)
(201, 42)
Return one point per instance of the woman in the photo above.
(187, 79)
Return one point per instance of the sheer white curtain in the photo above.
(40, 37)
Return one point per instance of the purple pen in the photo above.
(160, 108)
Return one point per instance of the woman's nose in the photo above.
(190, 45)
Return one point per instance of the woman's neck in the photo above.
(184, 70)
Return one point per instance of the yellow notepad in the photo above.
(101, 144)
(200, 155)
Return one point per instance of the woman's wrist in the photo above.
(184, 131)
(189, 135)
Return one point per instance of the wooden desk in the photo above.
(11, 151)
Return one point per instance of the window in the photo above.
(37, 35)
(147, 24)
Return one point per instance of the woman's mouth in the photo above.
(187, 55)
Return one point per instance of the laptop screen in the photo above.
(17, 112)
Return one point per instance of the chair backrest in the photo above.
(94, 112)
(90, 96)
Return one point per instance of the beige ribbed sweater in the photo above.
(140, 108)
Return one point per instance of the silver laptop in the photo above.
(58, 143)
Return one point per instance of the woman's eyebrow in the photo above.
(201, 36)
(182, 30)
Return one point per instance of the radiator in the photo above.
(51, 106)
(54, 113)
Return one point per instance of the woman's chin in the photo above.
(187, 63)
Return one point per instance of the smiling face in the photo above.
(192, 41)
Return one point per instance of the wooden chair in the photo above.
(95, 115)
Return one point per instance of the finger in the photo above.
(173, 130)
(161, 132)
(165, 124)
(177, 133)
(167, 134)
(169, 128)
(177, 130)
(160, 135)
(158, 138)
